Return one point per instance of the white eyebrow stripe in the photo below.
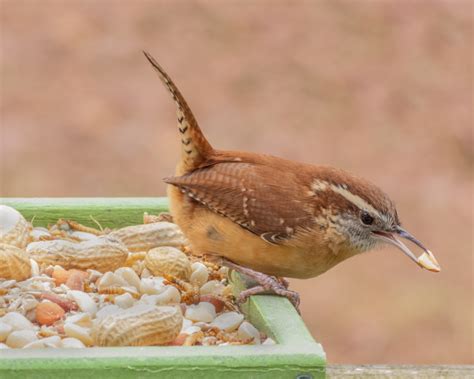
(354, 199)
(322, 185)
(319, 185)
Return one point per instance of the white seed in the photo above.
(200, 275)
(62, 289)
(147, 299)
(79, 332)
(269, 341)
(39, 232)
(129, 276)
(81, 319)
(203, 325)
(248, 331)
(192, 329)
(48, 330)
(28, 303)
(133, 291)
(41, 228)
(94, 275)
(107, 311)
(186, 324)
(170, 295)
(35, 271)
(5, 330)
(5, 284)
(71, 343)
(213, 287)
(197, 265)
(203, 311)
(124, 301)
(3, 346)
(38, 344)
(152, 286)
(428, 261)
(83, 236)
(13, 292)
(228, 321)
(110, 279)
(146, 273)
(17, 321)
(20, 338)
(53, 341)
(84, 301)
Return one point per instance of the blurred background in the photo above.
(383, 89)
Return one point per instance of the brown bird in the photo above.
(269, 217)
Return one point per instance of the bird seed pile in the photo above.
(72, 286)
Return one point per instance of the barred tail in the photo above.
(194, 146)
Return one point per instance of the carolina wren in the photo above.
(269, 217)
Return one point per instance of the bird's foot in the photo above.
(283, 281)
(292, 296)
(266, 283)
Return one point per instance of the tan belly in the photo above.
(210, 233)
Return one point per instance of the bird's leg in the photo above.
(266, 283)
(244, 295)
(283, 281)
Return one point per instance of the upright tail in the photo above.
(194, 147)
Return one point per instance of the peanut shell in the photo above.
(101, 254)
(14, 229)
(14, 263)
(168, 260)
(147, 236)
(140, 325)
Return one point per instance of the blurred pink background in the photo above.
(383, 89)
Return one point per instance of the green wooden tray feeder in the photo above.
(296, 354)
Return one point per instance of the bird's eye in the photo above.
(366, 218)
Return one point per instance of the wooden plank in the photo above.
(399, 371)
(264, 312)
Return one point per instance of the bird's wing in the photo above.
(264, 200)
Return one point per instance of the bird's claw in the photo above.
(265, 283)
(276, 287)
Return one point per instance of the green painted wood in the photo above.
(109, 212)
(295, 355)
(289, 329)
(278, 361)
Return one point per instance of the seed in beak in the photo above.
(428, 261)
(425, 260)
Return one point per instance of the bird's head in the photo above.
(366, 216)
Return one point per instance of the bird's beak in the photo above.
(426, 260)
